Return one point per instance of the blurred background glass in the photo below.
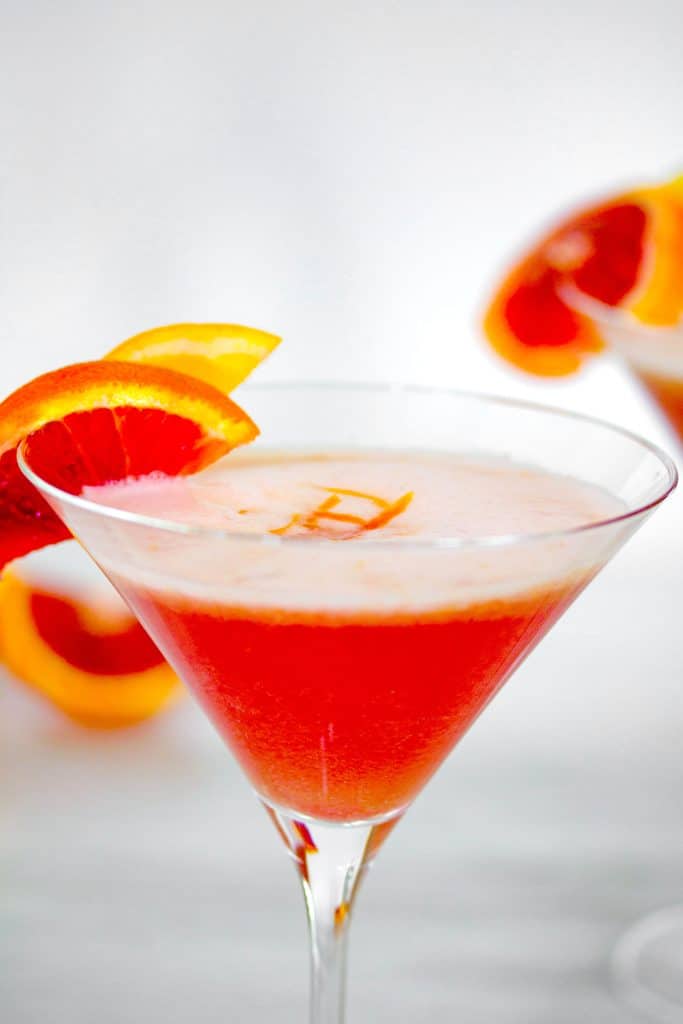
(353, 177)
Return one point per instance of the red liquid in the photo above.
(59, 624)
(345, 718)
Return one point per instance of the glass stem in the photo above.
(329, 888)
(331, 860)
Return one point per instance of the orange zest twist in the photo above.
(389, 513)
(312, 521)
(287, 526)
(349, 492)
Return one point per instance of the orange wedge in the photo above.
(626, 253)
(95, 663)
(98, 422)
(219, 354)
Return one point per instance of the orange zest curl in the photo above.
(350, 493)
(340, 517)
(280, 530)
(312, 521)
(389, 513)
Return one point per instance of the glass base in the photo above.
(647, 966)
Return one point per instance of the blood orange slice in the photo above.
(98, 422)
(94, 423)
(625, 253)
(95, 662)
(220, 354)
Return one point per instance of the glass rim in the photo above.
(441, 542)
(612, 316)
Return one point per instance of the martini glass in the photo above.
(342, 674)
(647, 964)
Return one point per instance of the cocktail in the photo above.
(345, 595)
(611, 276)
(648, 960)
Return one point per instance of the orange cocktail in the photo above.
(338, 700)
(343, 614)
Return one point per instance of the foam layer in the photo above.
(452, 496)
(445, 496)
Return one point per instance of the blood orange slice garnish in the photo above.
(220, 354)
(156, 405)
(98, 422)
(626, 253)
(94, 662)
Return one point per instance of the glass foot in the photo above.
(647, 966)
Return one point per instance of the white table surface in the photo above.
(142, 882)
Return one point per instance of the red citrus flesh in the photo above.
(124, 650)
(100, 422)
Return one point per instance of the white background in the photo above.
(351, 176)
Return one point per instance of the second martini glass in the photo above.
(648, 961)
(341, 674)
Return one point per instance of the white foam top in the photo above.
(438, 496)
(444, 495)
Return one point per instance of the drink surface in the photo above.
(283, 493)
(344, 675)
